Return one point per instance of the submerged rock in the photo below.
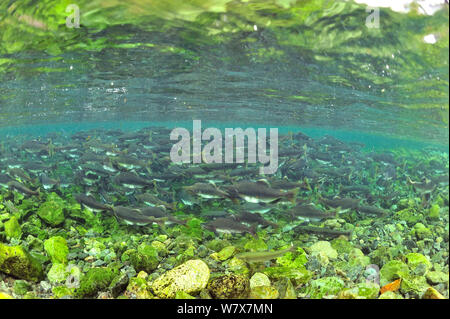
(56, 248)
(12, 228)
(324, 247)
(259, 279)
(326, 286)
(94, 281)
(17, 262)
(190, 277)
(229, 287)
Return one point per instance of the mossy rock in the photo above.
(62, 291)
(95, 280)
(224, 253)
(190, 277)
(139, 288)
(390, 295)
(368, 290)
(237, 266)
(437, 277)
(418, 263)
(414, 285)
(393, 270)
(434, 212)
(342, 246)
(264, 292)
(17, 262)
(21, 287)
(325, 248)
(299, 275)
(326, 286)
(12, 228)
(229, 287)
(421, 231)
(52, 213)
(259, 279)
(57, 273)
(56, 248)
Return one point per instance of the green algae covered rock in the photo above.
(17, 262)
(342, 246)
(183, 295)
(57, 273)
(95, 280)
(437, 277)
(52, 211)
(418, 263)
(326, 286)
(421, 231)
(325, 248)
(393, 270)
(12, 228)
(390, 295)
(21, 287)
(259, 279)
(229, 287)
(263, 292)
(138, 287)
(56, 248)
(434, 212)
(286, 289)
(62, 291)
(414, 285)
(145, 258)
(356, 258)
(190, 277)
(298, 275)
(224, 254)
(237, 266)
(368, 290)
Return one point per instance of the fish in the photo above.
(131, 180)
(22, 188)
(371, 210)
(20, 173)
(152, 200)
(206, 190)
(310, 212)
(159, 212)
(229, 226)
(47, 182)
(260, 191)
(256, 218)
(214, 213)
(91, 204)
(5, 179)
(261, 208)
(321, 231)
(344, 203)
(132, 216)
(263, 256)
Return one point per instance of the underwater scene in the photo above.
(224, 149)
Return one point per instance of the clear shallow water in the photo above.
(274, 63)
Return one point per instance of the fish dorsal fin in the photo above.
(264, 182)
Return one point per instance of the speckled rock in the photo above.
(229, 287)
(190, 277)
(17, 262)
